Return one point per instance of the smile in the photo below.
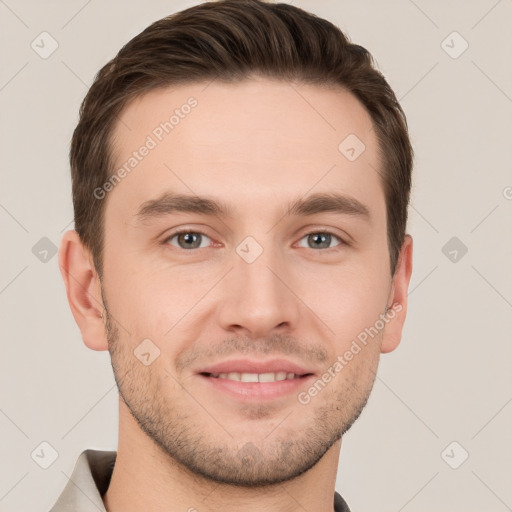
(255, 377)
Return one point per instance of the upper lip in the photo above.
(248, 366)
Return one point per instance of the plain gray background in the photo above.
(449, 380)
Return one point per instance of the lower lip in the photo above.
(255, 391)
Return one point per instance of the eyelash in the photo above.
(199, 232)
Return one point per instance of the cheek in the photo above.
(151, 299)
(348, 298)
(131, 296)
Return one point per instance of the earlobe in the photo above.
(83, 290)
(398, 298)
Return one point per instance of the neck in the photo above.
(146, 478)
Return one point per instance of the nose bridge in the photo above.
(259, 276)
(257, 299)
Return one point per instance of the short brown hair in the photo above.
(231, 40)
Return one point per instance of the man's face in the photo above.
(260, 285)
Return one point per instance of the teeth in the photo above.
(254, 377)
(248, 377)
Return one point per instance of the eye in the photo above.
(188, 239)
(321, 240)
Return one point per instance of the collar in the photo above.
(88, 482)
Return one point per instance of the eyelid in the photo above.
(186, 229)
(344, 237)
(342, 241)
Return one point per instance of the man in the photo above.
(241, 177)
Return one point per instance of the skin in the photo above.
(256, 145)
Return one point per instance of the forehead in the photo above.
(246, 142)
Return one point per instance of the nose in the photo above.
(259, 298)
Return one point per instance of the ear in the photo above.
(397, 301)
(83, 290)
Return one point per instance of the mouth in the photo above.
(250, 381)
(256, 377)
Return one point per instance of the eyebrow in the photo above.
(313, 204)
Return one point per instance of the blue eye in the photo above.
(321, 240)
(188, 239)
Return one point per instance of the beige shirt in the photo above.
(88, 483)
(90, 480)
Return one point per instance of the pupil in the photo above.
(190, 237)
(322, 239)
